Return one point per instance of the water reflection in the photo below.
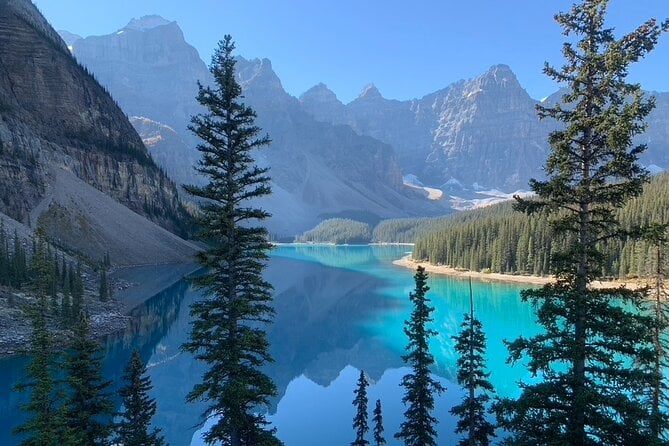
(338, 310)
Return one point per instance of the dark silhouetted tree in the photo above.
(227, 330)
(418, 427)
(42, 427)
(470, 345)
(360, 425)
(595, 341)
(133, 429)
(88, 407)
(379, 439)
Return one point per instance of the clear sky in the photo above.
(407, 48)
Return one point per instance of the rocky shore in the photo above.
(408, 262)
(131, 287)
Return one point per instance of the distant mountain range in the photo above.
(318, 169)
(472, 142)
(70, 161)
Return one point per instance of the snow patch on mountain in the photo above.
(413, 182)
(490, 197)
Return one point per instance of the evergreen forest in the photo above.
(501, 240)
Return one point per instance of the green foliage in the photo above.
(360, 425)
(657, 235)
(408, 230)
(418, 427)
(338, 231)
(596, 345)
(470, 345)
(43, 426)
(503, 241)
(227, 329)
(379, 439)
(45, 274)
(139, 408)
(88, 408)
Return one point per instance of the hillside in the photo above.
(498, 239)
(69, 155)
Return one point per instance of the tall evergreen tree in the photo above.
(360, 425)
(42, 427)
(227, 331)
(418, 427)
(379, 439)
(657, 236)
(88, 407)
(133, 428)
(470, 345)
(594, 340)
(104, 291)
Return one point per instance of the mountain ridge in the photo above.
(317, 168)
(56, 118)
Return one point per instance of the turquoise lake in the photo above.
(339, 310)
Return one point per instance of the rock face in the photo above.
(477, 132)
(483, 130)
(168, 149)
(318, 169)
(55, 121)
(334, 159)
(149, 69)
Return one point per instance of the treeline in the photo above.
(394, 230)
(338, 231)
(499, 239)
(24, 264)
(406, 230)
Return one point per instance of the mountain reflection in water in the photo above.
(338, 310)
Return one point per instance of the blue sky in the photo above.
(406, 48)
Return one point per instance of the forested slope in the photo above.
(501, 240)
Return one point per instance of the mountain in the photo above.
(168, 149)
(318, 169)
(471, 142)
(70, 161)
(149, 69)
(481, 132)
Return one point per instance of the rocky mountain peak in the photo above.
(319, 93)
(499, 77)
(370, 92)
(323, 105)
(258, 74)
(146, 23)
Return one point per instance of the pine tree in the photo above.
(227, 331)
(88, 407)
(360, 425)
(42, 427)
(594, 342)
(77, 289)
(104, 291)
(379, 439)
(656, 235)
(470, 345)
(133, 428)
(418, 427)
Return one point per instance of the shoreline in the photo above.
(107, 318)
(442, 270)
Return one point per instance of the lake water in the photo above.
(338, 310)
